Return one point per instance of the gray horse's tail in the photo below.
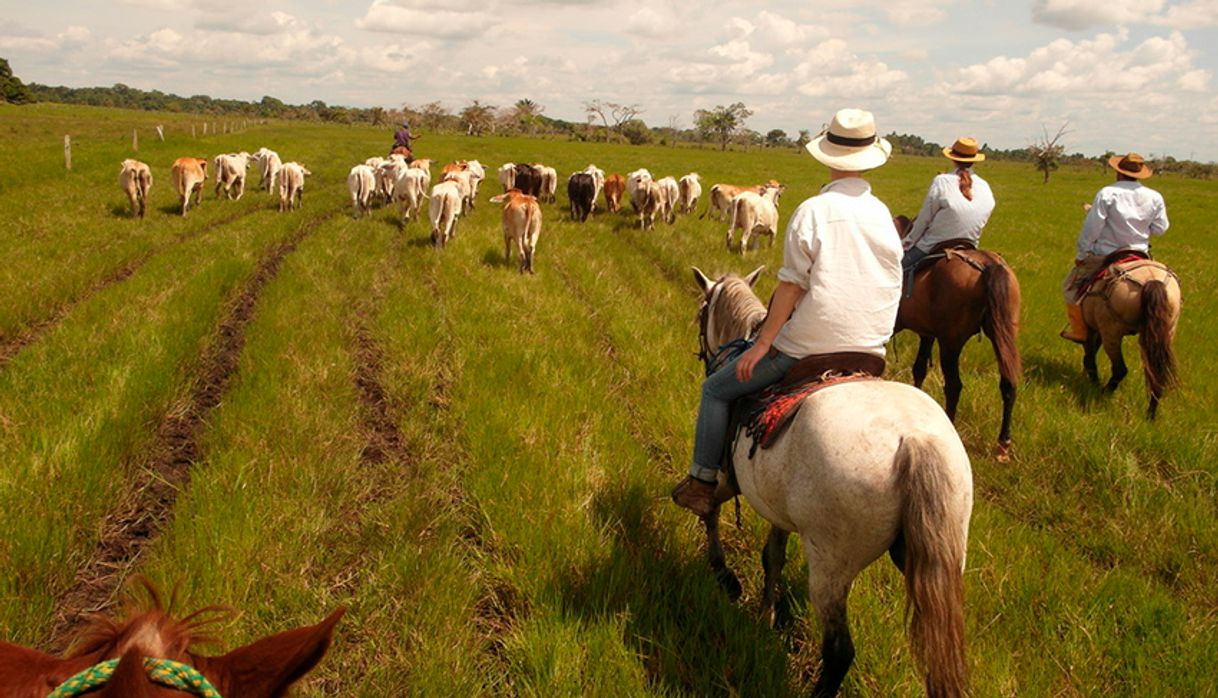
(934, 567)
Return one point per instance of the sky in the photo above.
(1121, 75)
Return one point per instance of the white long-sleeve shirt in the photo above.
(842, 247)
(947, 215)
(1123, 216)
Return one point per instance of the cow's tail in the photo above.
(731, 228)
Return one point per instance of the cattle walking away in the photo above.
(361, 182)
(598, 181)
(230, 174)
(507, 176)
(136, 180)
(691, 191)
(521, 226)
(581, 191)
(188, 175)
(528, 180)
(549, 182)
(615, 186)
(649, 198)
(409, 191)
(635, 181)
(754, 214)
(269, 166)
(670, 194)
(291, 185)
(721, 195)
(443, 209)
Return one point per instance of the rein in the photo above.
(165, 672)
(717, 359)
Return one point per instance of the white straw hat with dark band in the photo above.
(850, 143)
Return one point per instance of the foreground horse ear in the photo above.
(703, 281)
(35, 672)
(751, 279)
(266, 668)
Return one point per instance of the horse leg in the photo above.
(1091, 347)
(926, 345)
(717, 559)
(773, 559)
(1112, 347)
(949, 357)
(828, 587)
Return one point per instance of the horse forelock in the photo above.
(151, 630)
(734, 310)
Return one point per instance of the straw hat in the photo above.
(1131, 165)
(964, 150)
(850, 144)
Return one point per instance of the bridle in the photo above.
(714, 360)
(164, 672)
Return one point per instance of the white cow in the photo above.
(650, 201)
(136, 180)
(598, 182)
(671, 194)
(230, 174)
(387, 176)
(691, 191)
(634, 182)
(464, 179)
(269, 166)
(423, 164)
(409, 191)
(754, 213)
(361, 182)
(477, 173)
(549, 182)
(291, 185)
(443, 209)
(507, 175)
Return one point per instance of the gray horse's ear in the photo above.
(704, 282)
(751, 279)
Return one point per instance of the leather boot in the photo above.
(695, 495)
(1077, 332)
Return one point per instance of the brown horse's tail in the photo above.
(1001, 322)
(1158, 359)
(935, 540)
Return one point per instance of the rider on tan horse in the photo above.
(1123, 216)
(838, 291)
(957, 207)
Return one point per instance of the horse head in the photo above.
(729, 310)
(151, 655)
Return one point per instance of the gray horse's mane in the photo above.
(737, 311)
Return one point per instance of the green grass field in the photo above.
(477, 462)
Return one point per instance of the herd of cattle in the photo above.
(395, 180)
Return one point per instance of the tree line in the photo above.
(725, 126)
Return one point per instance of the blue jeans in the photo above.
(714, 413)
(908, 263)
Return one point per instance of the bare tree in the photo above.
(611, 111)
(1047, 152)
(477, 118)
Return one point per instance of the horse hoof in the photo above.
(729, 583)
(1002, 452)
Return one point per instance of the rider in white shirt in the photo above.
(957, 206)
(1123, 216)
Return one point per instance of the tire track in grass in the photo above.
(136, 522)
(37, 329)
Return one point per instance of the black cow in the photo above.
(528, 180)
(581, 190)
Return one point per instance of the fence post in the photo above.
(135, 140)
(204, 128)
(192, 131)
(67, 152)
(160, 132)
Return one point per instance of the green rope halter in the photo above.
(163, 671)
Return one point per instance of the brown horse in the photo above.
(1142, 298)
(263, 669)
(954, 298)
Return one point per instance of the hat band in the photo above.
(849, 142)
(959, 154)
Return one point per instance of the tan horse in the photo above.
(864, 469)
(953, 299)
(1142, 298)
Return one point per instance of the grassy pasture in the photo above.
(517, 539)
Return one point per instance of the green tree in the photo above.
(527, 115)
(477, 118)
(12, 90)
(777, 138)
(636, 132)
(805, 137)
(721, 123)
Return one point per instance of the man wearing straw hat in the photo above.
(838, 292)
(1123, 216)
(957, 207)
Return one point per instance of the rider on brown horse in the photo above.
(956, 208)
(403, 139)
(1123, 217)
(838, 291)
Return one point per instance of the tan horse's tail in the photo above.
(934, 539)
(1002, 301)
(1155, 339)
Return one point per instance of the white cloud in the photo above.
(256, 24)
(1077, 15)
(447, 19)
(831, 69)
(21, 39)
(653, 22)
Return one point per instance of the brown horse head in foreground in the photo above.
(1142, 298)
(954, 298)
(262, 669)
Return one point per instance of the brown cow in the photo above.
(721, 195)
(521, 225)
(188, 175)
(615, 186)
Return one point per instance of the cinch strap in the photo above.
(163, 671)
(849, 142)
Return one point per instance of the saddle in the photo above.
(1110, 268)
(765, 415)
(956, 248)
